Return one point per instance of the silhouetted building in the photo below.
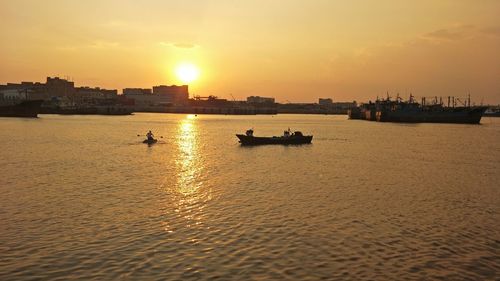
(96, 95)
(174, 94)
(316, 108)
(57, 87)
(59, 92)
(12, 94)
(23, 90)
(210, 101)
(257, 99)
(136, 91)
(325, 102)
(96, 92)
(146, 100)
(343, 105)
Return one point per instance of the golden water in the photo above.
(82, 198)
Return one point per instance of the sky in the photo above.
(293, 50)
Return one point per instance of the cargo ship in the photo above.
(413, 112)
(26, 108)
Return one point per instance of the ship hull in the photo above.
(251, 140)
(354, 113)
(148, 141)
(470, 115)
(492, 114)
(27, 109)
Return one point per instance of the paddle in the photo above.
(145, 135)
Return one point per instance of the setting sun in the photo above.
(187, 72)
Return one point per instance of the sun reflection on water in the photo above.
(188, 193)
(188, 160)
(191, 195)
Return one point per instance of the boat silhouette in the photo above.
(288, 138)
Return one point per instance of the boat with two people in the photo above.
(288, 137)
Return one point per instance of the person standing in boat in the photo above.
(150, 135)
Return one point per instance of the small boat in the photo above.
(150, 141)
(287, 138)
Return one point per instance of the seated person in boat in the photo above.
(150, 135)
(249, 133)
(286, 133)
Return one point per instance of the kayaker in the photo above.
(150, 135)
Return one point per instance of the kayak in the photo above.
(150, 141)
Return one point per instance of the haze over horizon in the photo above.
(291, 50)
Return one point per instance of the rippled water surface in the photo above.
(82, 198)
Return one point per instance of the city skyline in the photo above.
(289, 50)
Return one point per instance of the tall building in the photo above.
(173, 94)
(57, 87)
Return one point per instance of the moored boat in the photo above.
(27, 108)
(458, 115)
(288, 138)
(88, 110)
(410, 111)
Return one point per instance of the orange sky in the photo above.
(294, 50)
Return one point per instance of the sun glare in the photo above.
(187, 72)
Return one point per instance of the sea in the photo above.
(82, 198)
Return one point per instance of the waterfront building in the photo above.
(325, 102)
(23, 90)
(260, 100)
(136, 91)
(11, 94)
(87, 95)
(343, 106)
(172, 94)
(96, 93)
(58, 91)
(324, 107)
(145, 100)
(57, 87)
